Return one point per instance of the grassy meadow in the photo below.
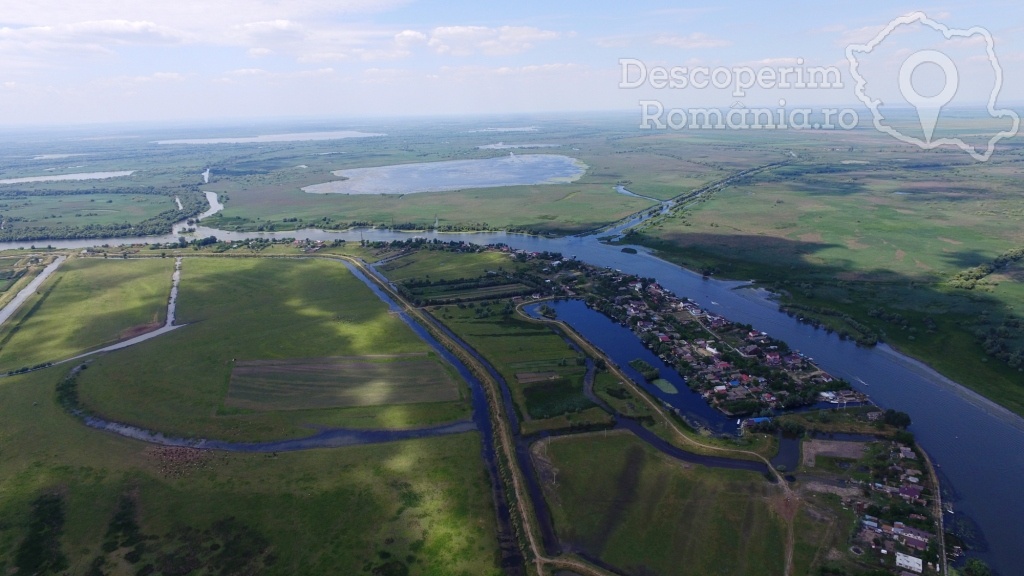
(554, 208)
(81, 210)
(517, 347)
(124, 504)
(86, 304)
(240, 310)
(618, 500)
(309, 383)
(443, 265)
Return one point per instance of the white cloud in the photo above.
(467, 40)
(242, 74)
(683, 13)
(122, 31)
(94, 36)
(695, 40)
(199, 16)
(614, 41)
(162, 77)
(131, 82)
(36, 30)
(774, 62)
(407, 38)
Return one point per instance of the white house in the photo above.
(909, 562)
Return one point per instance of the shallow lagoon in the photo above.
(508, 170)
(60, 177)
(503, 146)
(296, 137)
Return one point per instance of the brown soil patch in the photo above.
(339, 381)
(810, 237)
(843, 491)
(854, 244)
(786, 506)
(900, 255)
(531, 377)
(140, 330)
(179, 461)
(951, 241)
(833, 448)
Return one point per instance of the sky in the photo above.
(96, 61)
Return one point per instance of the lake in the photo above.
(450, 175)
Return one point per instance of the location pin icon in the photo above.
(928, 107)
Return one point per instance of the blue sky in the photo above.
(116, 60)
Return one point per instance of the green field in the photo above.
(81, 210)
(514, 346)
(559, 208)
(12, 269)
(444, 265)
(18, 271)
(86, 304)
(425, 504)
(870, 238)
(252, 309)
(619, 500)
(309, 383)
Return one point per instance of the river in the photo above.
(975, 443)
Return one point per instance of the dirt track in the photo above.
(811, 449)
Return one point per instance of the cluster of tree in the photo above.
(423, 243)
(1001, 341)
(975, 567)
(239, 224)
(853, 329)
(646, 370)
(24, 369)
(426, 292)
(486, 311)
(456, 283)
(787, 427)
(544, 255)
(485, 227)
(896, 418)
(969, 279)
(15, 194)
